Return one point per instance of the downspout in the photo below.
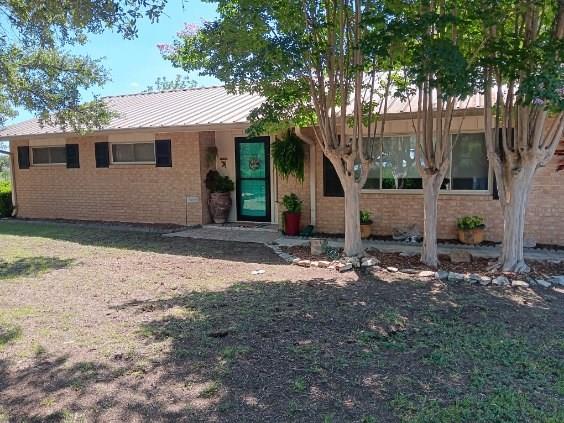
(312, 175)
(12, 181)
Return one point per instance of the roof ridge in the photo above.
(163, 91)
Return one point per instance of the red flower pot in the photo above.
(292, 223)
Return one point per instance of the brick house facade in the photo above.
(175, 194)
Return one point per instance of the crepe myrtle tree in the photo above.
(437, 62)
(524, 104)
(37, 72)
(310, 62)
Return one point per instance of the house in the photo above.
(149, 163)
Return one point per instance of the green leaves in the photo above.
(288, 156)
(40, 75)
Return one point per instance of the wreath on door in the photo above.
(254, 163)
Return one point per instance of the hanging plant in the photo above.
(288, 156)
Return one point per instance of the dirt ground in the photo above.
(109, 325)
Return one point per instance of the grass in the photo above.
(119, 325)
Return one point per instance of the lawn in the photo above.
(111, 325)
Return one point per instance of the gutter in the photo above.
(312, 175)
(12, 181)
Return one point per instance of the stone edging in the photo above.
(344, 265)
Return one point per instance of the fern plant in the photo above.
(288, 156)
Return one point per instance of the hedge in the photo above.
(5, 199)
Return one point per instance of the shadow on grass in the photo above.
(318, 350)
(28, 266)
(141, 241)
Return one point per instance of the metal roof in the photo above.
(192, 107)
(162, 109)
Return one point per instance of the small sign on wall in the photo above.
(192, 199)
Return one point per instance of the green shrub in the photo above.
(292, 203)
(365, 217)
(217, 183)
(470, 222)
(5, 199)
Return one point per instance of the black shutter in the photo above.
(331, 184)
(494, 191)
(73, 160)
(23, 157)
(163, 153)
(102, 153)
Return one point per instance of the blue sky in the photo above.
(135, 64)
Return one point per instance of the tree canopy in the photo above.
(38, 73)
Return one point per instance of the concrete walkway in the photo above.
(269, 236)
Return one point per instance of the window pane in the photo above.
(399, 170)
(144, 152)
(123, 153)
(58, 154)
(40, 155)
(469, 162)
(374, 150)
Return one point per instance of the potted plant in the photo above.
(365, 224)
(471, 229)
(293, 206)
(219, 202)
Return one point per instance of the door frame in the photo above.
(266, 141)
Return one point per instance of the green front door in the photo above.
(252, 156)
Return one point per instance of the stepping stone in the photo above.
(518, 283)
(428, 274)
(392, 269)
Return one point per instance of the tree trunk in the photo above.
(353, 241)
(517, 187)
(431, 187)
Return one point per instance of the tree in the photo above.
(524, 104)
(37, 71)
(310, 61)
(436, 68)
(163, 84)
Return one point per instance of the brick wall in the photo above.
(126, 193)
(544, 224)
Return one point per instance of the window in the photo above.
(49, 155)
(470, 167)
(395, 168)
(143, 152)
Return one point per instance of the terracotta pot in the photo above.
(220, 205)
(471, 236)
(292, 223)
(365, 230)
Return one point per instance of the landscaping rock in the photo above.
(474, 277)
(392, 269)
(410, 271)
(355, 261)
(543, 283)
(428, 274)
(314, 264)
(557, 280)
(455, 277)
(296, 260)
(501, 281)
(442, 275)
(460, 257)
(344, 267)
(324, 264)
(485, 280)
(369, 262)
(518, 283)
(304, 263)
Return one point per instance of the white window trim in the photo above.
(113, 162)
(449, 192)
(33, 147)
